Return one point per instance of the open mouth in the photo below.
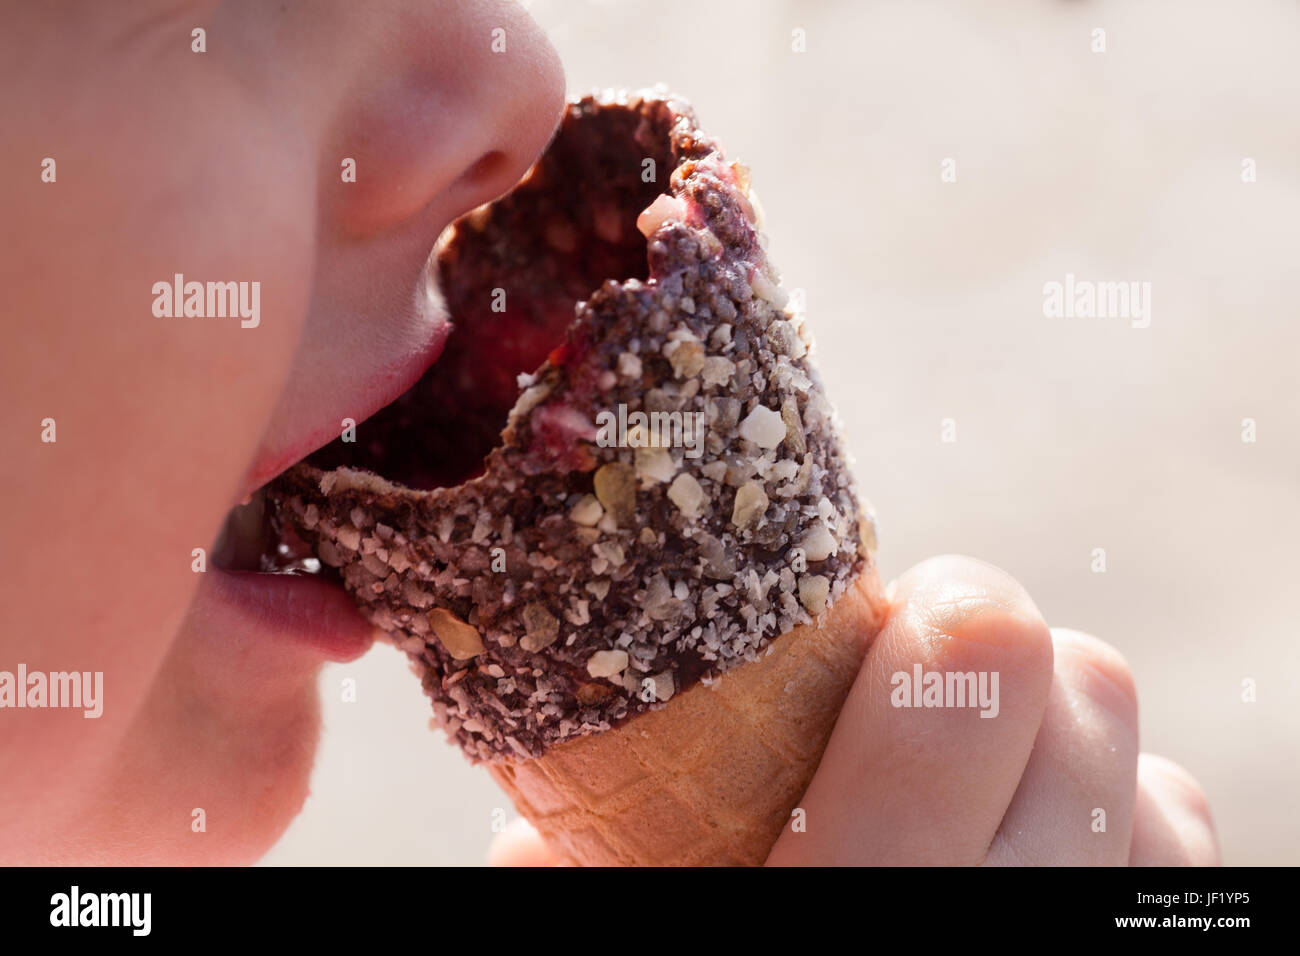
(534, 523)
(511, 273)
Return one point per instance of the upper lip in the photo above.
(395, 379)
(400, 375)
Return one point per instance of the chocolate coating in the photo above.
(566, 583)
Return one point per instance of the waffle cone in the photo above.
(710, 778)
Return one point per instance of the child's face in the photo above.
(224, 165)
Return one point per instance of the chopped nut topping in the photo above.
(655, 464)
(741, 172)
(664, 207)
(794, 439)
(658, 687)
(607, 663)
(588, 695)
(616, 488)
(587, 511)
(629, 365)
(462, 640)
(660, 604)
(685, 492)
(687, 358)
(764, 287)
(717, 370)
(542, 626)
(818, 543)
(751, 504)
(764, 427)
(784, 339)
(349, 537)
(813, 590)
(329, 554)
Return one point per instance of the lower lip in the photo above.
(309, 611)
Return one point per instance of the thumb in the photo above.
(902, 784)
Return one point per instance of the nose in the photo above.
(446, 109)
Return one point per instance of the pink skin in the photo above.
(225, 166)
(222, 166)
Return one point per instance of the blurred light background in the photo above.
(926, 298)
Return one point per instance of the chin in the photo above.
(256, 795)
(217, 764)
(261, 785)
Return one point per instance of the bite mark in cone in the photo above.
(659, 563)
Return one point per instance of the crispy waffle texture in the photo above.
(713, 777)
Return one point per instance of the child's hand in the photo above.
(1052, 775)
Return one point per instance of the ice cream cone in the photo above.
(614, 526)
(712, 777)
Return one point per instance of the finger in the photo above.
(907, 784)
(1075, 802)
(1172, 826)
(520, 845)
